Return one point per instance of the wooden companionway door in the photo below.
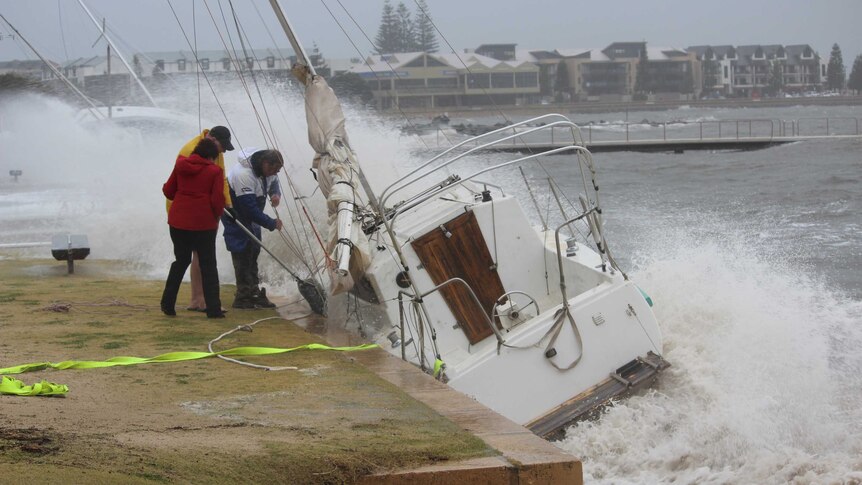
(463, 255)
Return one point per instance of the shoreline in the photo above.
(615, 107)
(357, 417)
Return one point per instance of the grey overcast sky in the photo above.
(60, 29)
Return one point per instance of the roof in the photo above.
(86, 62)
(215, 54)
(541, 55)
(720, 51)
(384, 65)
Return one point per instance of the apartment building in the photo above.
(610, 74)
(431, 80)
(754, 70)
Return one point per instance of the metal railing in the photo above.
(700, 130)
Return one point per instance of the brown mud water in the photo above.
(206, 421)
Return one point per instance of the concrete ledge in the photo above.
(525, 458)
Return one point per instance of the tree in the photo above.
(426, 34)
(351, 85)
(711, 69)
(387, 34)
(406, 32)
(642, 81)
(775, 84)
(855, 81)
(562, 84)
(835, 73)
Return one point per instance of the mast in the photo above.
(340, 152)
(111, 43)
(302, 58)
(93, 109)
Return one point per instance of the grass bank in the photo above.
(208, 421)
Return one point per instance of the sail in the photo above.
(338, 178)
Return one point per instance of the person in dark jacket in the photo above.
(251, 180)
(196, 189)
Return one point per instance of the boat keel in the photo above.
(635, 375)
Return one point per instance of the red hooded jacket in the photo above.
(196, 187)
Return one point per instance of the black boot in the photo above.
(261, 301)
(216, 314)
(244, 302)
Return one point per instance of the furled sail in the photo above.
(339, 180)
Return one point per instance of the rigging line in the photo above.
(260, 122)
(197, 71)
(284, 61)
(235, 60)
(494, 103)
(506, 118)
(198, 63)
(241, 33)
(297, 195)
(62, 32)
(290, 245)
(391, 68)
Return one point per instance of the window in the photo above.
(181, 65)
(478, 81)
(500, 80)
(443, 82)
(409, 83)
(225, 64)
(725, 72)
(270, 62)
(526, 79)
(205, 64)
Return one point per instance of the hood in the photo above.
(192, 165)
(245, 159)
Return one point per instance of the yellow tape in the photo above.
(44, 388)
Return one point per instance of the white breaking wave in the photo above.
(765, 382)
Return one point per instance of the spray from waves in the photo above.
(105, 181)
(765, 381)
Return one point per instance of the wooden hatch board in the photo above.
(465, 255)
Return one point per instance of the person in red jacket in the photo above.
(196, 187)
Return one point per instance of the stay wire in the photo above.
(490, 98)
(296, 220)
(197, 60)
(62, 32)
(296, 195)
(376, 76)
(206, 78)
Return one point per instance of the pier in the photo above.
(678, 136)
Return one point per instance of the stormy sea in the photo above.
(752, 258)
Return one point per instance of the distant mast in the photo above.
(111, 44)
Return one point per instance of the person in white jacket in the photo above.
(251, 180)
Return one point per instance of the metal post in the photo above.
(111, 43)
(827, 126)
(701, 130)
(401, 321)
(70, 263)
(627, 132)
(664, 130)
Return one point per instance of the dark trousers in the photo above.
(185, 242)
(245, 268)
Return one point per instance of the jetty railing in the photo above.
(684, 130)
